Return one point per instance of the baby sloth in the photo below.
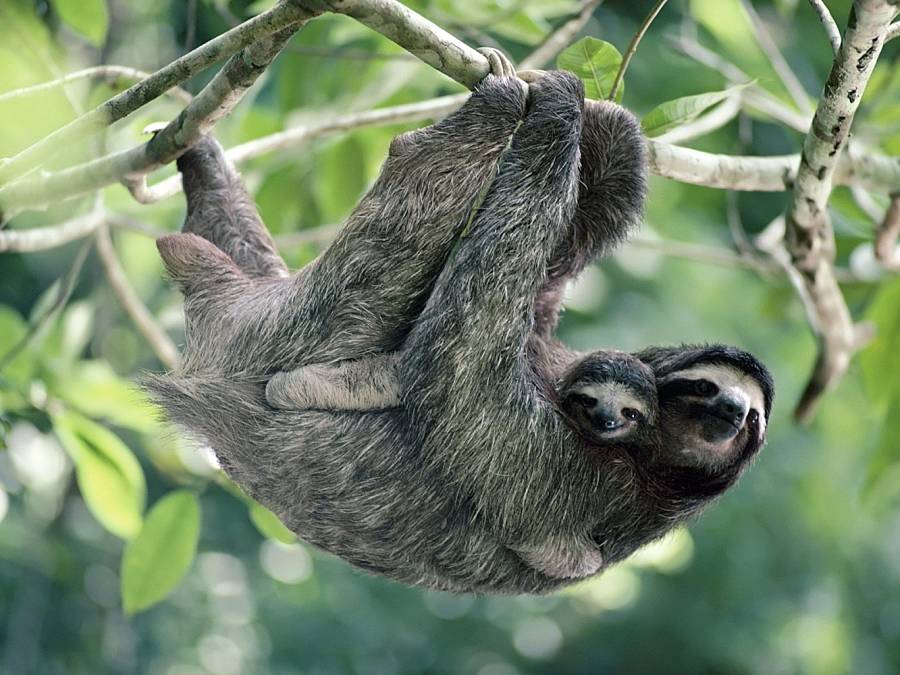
(606, 396)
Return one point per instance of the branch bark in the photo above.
(281, 16)
(156, 337)
(214, 102)
(809, 237)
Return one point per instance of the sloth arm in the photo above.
(464, 367)
(612, 185)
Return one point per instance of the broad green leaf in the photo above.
(88, 17)
(880, 360)
(596, 62)
(676, 112)
(269, 525)
(109, 476)
(159, 557)
(94, 388)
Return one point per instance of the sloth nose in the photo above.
(731, 408)
(607, 418)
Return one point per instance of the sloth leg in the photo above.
(365, 384)
(610, 202)
(220, 210)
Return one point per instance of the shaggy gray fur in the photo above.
(476, 470)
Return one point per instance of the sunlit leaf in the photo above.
(676, 112)
(88, 17)
(12, 330)
(594, 61)
(882, 356)
(159, 557)
(109, 476)
(269, 525)
(94, 388)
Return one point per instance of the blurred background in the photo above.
(797, 570)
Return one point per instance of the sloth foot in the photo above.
(500, 64)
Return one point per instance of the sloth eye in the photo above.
(705, 388)
(753, 417)
(583, 400)
(632, 414)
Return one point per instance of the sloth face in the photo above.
(712, 414)
(610, 397)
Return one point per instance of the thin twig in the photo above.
(829, 24)
(282, 15)
(156, 337)
(50, 236)
(892, 31)
(63, 293)
(886, 250)
(215, 101)
(781, 66)
(632, 48)
(754, 96)
(110, 73)
(713, 255)
(560, 38)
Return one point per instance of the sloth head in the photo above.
(714, 408)
(610, 397)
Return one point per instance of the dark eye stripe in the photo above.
(677, 388)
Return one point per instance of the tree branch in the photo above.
(829, 24)
(809, 238)
(215, 101)
(110, 73)
(886, 250)
(282, 15)
(632, 48)
(560, 38)
(779, 64)
(416, 34)
(156, 337)
(51, 236)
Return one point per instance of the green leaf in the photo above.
(12, 330)
(109, 476)
(880, 360)
(341, 178)
(94, 388)
(88, 17)
(159, 557)
(269, 525)
(596, 62)
(682, 110)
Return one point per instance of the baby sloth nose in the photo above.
(607, 417)
(731, 408)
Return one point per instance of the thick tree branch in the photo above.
(809, 238)
(416, 34)
(281, 16)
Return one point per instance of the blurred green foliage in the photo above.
(795, 571)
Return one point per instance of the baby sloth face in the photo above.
(610, 398)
